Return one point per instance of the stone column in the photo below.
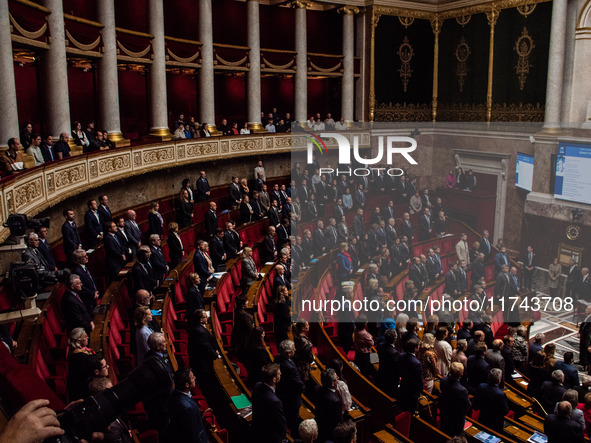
(108, 85)
(55, 70)
(301, 47)
(206, 73)
(9, 126)
(254, 73)
(157, 76)
(556, 66)
(348, 81)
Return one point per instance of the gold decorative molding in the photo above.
(348, 10)
(492, 16)
(462, 112)
(527, 112)
(375, 19)
(82, 46)
(134, 54)
(463, 20)
(403, 112)
(406, 21)
(303, 4)
(436, 25)
(33, 35)
(462, 54)
(524, 45)
(526, 9)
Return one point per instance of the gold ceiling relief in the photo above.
(526, 9)
(406, 53)
(462, 54)
(523, 46)
(463, 20)
(406, 21)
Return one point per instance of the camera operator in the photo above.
(33, 256)
(117, 431)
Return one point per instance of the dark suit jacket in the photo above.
(175, 250)
(71, 239)
(268, 420)
(93, 228)
(216, 251)
(411, 381)
(281, 322)
(268, 248)
(143, 277)
(194, 300)
(48, 152)
(291, 386)
(414, 274)
(492, 403)
(245, 215)
(88, 288)
(407, 230)
(424, 227)
(477, 370)
(477, 271)
(200, 265)
(184, 213)
(202, 189)
(502, 286)
(134, 235)
(185, 419)
(47, 255)
(389, 371)
(454, 404)
(234, 193)
(278, 282)
(231, 243)
(158, 262)
(106, 216)
(551, 394)
(484, 249)
(274, 217)
(451, 283)
(328, 413)
(154, 224)
(562, 429)
(201, 348)
(211, 222)
(75, 313)
(114, 252)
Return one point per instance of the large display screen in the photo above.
(573, 177)
(524, 171)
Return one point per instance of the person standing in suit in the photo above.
(73, 309)
(45, 249)
(268, 248)
(560, 427)
(425, 225)
(176, 250)
(503, 284)
(123, 238)
(462, 249)
(142, 318)
(142, 274)
(89, 292)
(202, 264)
(115, 252)
(70, 235)
(492, 401)
(280, 278)
(462, 278)
(477, 366)
(104, 210)
(268, 418)
(454, 401)
(554, 271)
(584, 286)
(411, 377)
(328, 406)
(194, 296)
(584, 338)
(440, 224)
(157, 260)
(94, 224)
(485, 246)
(133, 232)
(495, 359)
(234, 192)
(249, 270)
(218, 254)
(529, 265)
(232, 242)
(203, 188)
(501, 259)
(389, 370)
(478, 270)
(184, 209)
(201, 348)
(407, 228)
(211, 219)
(155, 220)
(185, 417)
(551, 391)
(291, 386)
(451, 281)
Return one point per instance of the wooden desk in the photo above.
(536, 424)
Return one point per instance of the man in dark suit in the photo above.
(389, 211)
(584, 286)
(234, 192)
(551, 391)
(407, 228)
(93, 223)
(283, 231)
(89, 292)
(287, 208)
(411, 377)
(268, 419)
(454, 401)
(485, 246)
(291, 386)
(415, 275)
(216, 248)
(501, 259)
(133, 231)
(432, 266)
(584, 338)
(104, 210)
(232, 243)
(32, 255)
(202, 265)
(211, 219)
(115, 252)
(123, 238)
(201, 348)
(47, 149)
(268, 248)
(45, 249)
(451, 281)
(338, 210)
(194, 296)
(389, 370)
(477, 368)
(461, 278)
(571, 375)
(142, 274)
(157, 259)
(185, 417)
(70, 235)
(329, 410)
(203, 189)
(529, 265)
(573, 277)
(560, 427)
(274, 215)
(425, 225)
(73, 308)
(403, 188)
(257, 208)
(477, 269)
(491, 401)
(503, 285)
(359, 224)
(280, 279)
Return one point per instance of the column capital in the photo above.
(492, 16)
(348, 10)
(436, 24)
(301, 4)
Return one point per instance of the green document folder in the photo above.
(241, 401)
